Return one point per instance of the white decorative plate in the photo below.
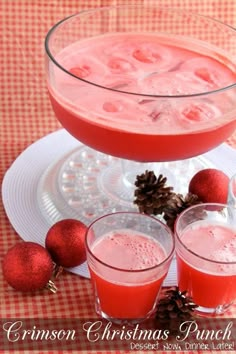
(20, 184)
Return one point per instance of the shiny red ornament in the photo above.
(65, 241)
(27, 266)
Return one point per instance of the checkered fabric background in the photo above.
(26, 115)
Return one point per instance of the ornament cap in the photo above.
(58, 270)
(51, 286)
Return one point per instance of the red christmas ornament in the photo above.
(65, 241)
(27, 266)
(210, 185)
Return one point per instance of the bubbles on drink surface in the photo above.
(226, 252)
(215, 242)
(131, 250)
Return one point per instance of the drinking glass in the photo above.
(232, 191)
(206, 256)
(128, 255)
(130, 118)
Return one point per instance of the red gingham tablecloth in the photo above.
(26, 116)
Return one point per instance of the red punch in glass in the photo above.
(128, 255)
(206, 256)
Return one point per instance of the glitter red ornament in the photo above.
(210, 185)
(65, 241)
(27, 266)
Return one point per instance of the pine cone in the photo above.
(173, 308)
(151, 194)
(176, 205)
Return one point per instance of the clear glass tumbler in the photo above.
(206, 256)
(128, 255)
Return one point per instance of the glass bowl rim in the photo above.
(106, 8)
